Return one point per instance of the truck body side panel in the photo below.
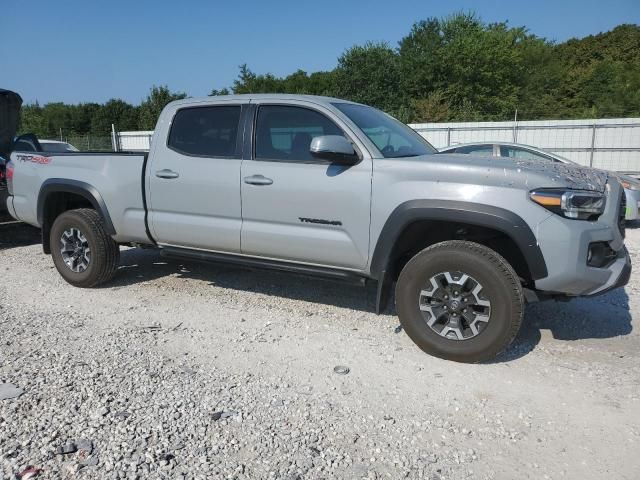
(115, 176)
(313, 211)
(200, 207)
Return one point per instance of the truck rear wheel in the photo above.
(84, 254)
(460, 301)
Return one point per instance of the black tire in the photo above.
(104, 251)
(501, 286)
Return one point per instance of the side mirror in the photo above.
(334, 148)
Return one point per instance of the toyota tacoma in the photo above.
(327, 187)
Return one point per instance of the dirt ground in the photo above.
(562, 402)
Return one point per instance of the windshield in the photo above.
(393, 138)
(57, 147)
(564, 159)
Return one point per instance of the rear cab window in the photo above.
(23, 146)
(210, 131)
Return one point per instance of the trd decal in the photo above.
(320, 221)
(39, 159)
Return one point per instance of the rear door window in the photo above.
(206, 131)
(479, 150)
(524, 154)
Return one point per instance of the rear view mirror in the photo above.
(334, 148)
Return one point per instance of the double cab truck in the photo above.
(323, 186)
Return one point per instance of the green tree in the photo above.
(249, 82)
(121, 114)
(445, 69)
(460, 68)
(422, 65)
(82, 116)
(371, 74)
(31, 119)
(150, 108)
(477, 69)
(299, 82)
(222, 91)
(434, 108)
(599, 74)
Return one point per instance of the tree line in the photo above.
(457, 68)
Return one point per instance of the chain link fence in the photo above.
(86, 143)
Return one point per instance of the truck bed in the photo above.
(117, 176)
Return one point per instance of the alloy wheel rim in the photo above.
(75, 250)
(454, 306)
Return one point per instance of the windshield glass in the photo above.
(564, 159)
(57, 147)
(393, 138)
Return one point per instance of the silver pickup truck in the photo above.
(327, 187)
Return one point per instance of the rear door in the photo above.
(296, 207)
(194, 178)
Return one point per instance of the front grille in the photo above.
(622, 213)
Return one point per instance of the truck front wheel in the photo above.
(84, 254)
(460, 301)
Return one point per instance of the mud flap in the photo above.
(382, 295)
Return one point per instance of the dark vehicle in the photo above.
(10, 103)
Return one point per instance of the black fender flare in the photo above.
(85, 190)
(470, 213)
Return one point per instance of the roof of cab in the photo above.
(262, 96)
(497, 142)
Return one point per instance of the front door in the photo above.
(194, 179)
(296, 207)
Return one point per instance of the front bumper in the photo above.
(565, 246)
(621, 272)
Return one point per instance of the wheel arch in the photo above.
(58, 195)
(486, 218)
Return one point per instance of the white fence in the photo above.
(132, 141)
(610, 144)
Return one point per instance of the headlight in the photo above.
(576, 204)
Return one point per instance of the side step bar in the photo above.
(250, 262)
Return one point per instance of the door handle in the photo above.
(166, 173)
(258, 180)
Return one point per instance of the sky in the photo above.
(91, 51)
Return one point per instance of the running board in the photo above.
(252, 262)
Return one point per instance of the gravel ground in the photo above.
(182, 370)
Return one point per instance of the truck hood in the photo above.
(530, 174)
(10, 103)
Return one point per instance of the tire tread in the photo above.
(504, 268)
(107, 251)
